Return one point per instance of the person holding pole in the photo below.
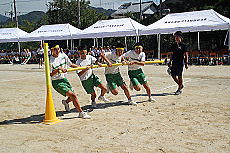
(177, 60)
(59, 61)
(137, 77)
(88, 79)
(112, 73)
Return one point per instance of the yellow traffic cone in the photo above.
(50, 114)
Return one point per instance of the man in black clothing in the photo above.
(177, 60)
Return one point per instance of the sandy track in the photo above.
(196, 121)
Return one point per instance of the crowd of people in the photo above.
(37, 55)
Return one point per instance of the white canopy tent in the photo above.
(196, 21)
(11, 34)
(112, 28)
(52, 32)
(206, 20)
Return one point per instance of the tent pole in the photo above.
(126, 43)
(71, 44)
(229, 39)
(79, 44)
(94, 42)
(102, 42)
(159, 46)
(198, 39)
(97, 42)
(19, 48)
(67, 44)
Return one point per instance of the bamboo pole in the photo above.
(105, 65)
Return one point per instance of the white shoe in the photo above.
(131, 102)
(131, 85)
(94, 105)
(151, 99)
(102, 98)
(64, 102)
(84, 115)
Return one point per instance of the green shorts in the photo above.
(114, 80)
(62, 86)
(137, 77)
(88, 84)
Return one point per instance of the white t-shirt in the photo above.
(85, 62)
(61, 61)
(113, 58)
(40, 51)
(133, 56)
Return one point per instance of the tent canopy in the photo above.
(52, 32)
(111, 28)
(11, 34)
(206, 20)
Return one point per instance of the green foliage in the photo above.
(64, 11)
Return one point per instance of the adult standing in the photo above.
(40, 55)
(178, 59)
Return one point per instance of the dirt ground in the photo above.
(197, 121)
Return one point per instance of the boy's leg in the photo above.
(93, 97)
(137, 88)
(146, 86)
(103, 89)
(126, 91)
(114, 91)
(74, 99)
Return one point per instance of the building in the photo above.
(147, 8)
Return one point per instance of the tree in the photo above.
(64, 11)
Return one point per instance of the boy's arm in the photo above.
(56, 71)
(106, 59)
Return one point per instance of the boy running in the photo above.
(59, 62)
(88, 79)
(136, 59)
(112, 73)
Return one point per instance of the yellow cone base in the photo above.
(51, 122)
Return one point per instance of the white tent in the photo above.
(111, 28)
(206, 20)
(52, 32)
(196, 21)
(11, 34)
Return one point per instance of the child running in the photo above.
(59, 62)
(88, 79)
(136, 59)
(112, 73)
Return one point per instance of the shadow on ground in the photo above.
(35, 119)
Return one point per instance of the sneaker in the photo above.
(178, 92)
(84, 115)
(131, 86)
(64, 102)
(151, 99)
(93, 104)
(102, 98)
(131, 102)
